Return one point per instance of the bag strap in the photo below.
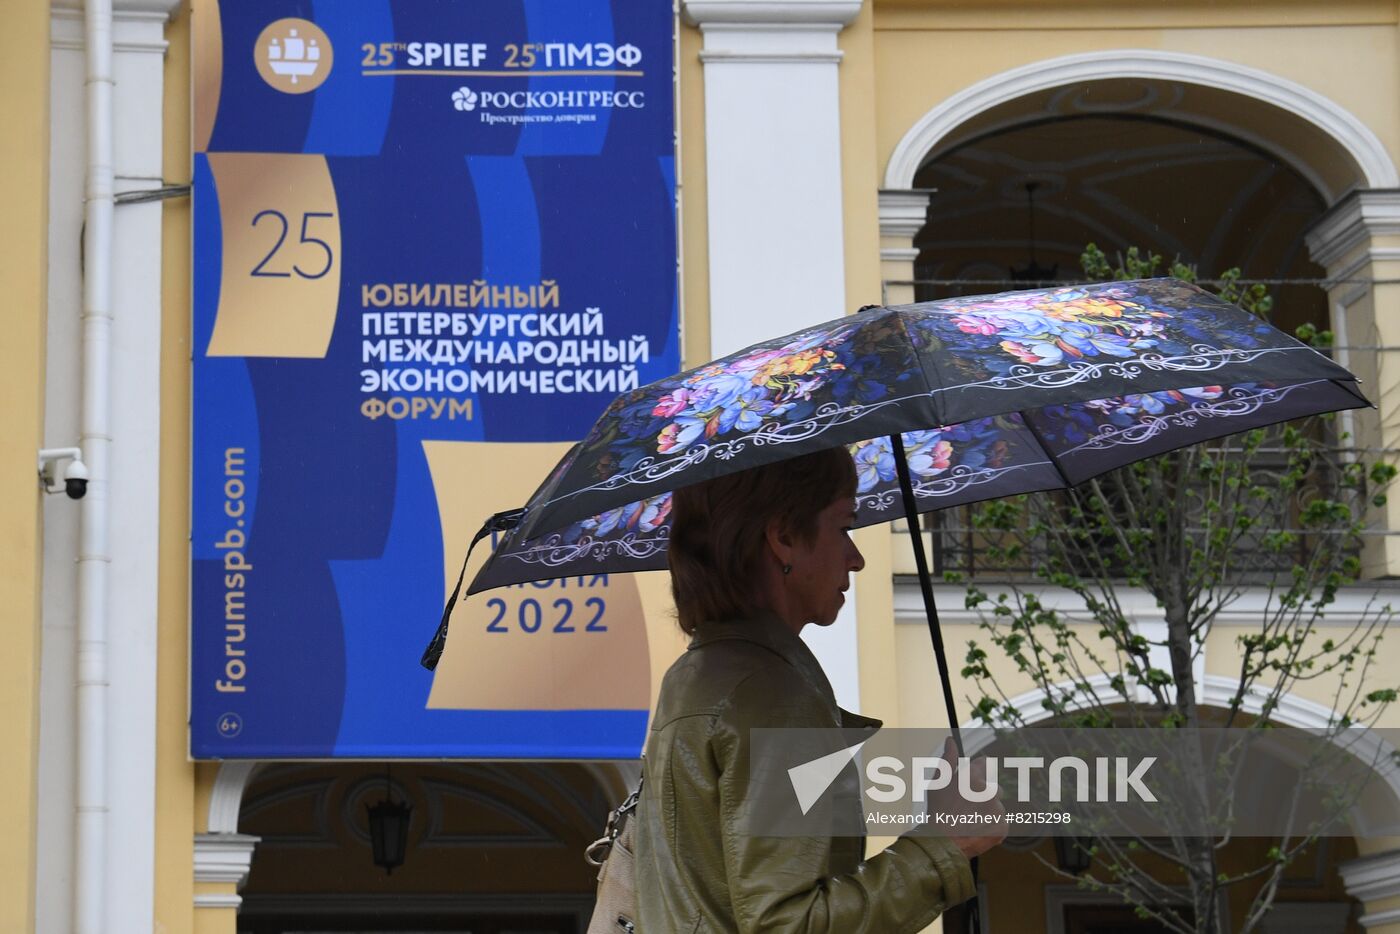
(599, 850)
(500, 522)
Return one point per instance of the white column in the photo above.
(772, 164)
(903, 213)
(138, 66)
(774, 209)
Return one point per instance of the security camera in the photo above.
(75, 478)
(75, 472)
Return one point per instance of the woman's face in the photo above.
(821, 568)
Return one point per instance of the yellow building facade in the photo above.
(832, 153)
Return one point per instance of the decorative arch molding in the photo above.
(226, 798)
(221, 853)
(1217, 691)
(1357, 140)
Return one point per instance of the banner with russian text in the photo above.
(432, 240)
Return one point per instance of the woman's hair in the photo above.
(718, 529)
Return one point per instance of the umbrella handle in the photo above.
(911, 512)
(972, 914)
(500, 522)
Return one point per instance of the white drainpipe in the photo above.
(89, 880)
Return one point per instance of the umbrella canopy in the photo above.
(1057, 376)
(990, 396)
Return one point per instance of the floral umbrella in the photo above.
(941, 403)
(959, 361)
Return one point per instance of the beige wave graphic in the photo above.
(280, 284)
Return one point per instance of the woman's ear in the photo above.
(780, 540)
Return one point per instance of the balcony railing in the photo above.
(958, 544)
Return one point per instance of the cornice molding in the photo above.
(137, 30)
(119, 7)
(770, 58)
(222, 858)
(1351, 222)
(1379, 919)
(903, 212)
(1371, 878)
(770, 32)
(895, 254)
(770, 14)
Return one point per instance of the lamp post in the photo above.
(388, 828)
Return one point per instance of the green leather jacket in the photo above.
(697, 871)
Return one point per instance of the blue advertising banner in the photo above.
(432, 240)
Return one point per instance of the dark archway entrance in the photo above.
(493, 848)
(1119, 164)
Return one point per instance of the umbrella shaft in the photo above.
(911, 511)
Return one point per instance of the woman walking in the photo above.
(755, 557)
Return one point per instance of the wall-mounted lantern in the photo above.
(388, 829)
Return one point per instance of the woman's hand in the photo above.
(977, 825)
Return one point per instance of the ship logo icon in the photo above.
(293, 55)
(299, 58)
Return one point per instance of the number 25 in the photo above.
(261, 268)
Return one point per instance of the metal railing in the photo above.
(960, 544)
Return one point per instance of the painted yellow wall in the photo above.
(24, 186)
(175, 776)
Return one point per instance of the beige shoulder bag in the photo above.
(616, 908)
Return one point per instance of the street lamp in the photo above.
(1072, 854)
(388, 829)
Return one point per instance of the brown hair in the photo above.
(718, 529)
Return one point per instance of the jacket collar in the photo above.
(766, 629)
